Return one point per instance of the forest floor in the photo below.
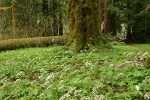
(55, 73)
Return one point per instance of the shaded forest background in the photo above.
(94, 62)
(120, 20)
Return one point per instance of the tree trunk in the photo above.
(113, 21)
(84, 24)
(60, 24)
(60, 19)
(102, 9)
(55, 24)
(14, 17)
(107, 19)
(129, 30)
(50, 9)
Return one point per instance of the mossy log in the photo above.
(12, 44)
(5, 9)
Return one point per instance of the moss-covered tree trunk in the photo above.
(84, 24)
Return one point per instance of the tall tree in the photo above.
(107, 17)
(53, 8)
(84, 24)
(14, 17)
(137, 29)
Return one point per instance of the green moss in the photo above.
(31, 42)
(5, 9)
(84, 25)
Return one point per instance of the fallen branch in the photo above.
(125, 64)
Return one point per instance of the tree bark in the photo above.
(84, 24)
(14, 17)
(107, 19)
(101, 9)
(129, 30)
(50, 9)
(60, 24)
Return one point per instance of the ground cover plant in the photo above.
(57, 74)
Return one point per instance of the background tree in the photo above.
(34, 18)
(136, 19)
(107, 17)
(126, 18)
(5, 18)
(14, 17)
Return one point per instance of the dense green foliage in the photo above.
(55, 73)
(125, 18)
(135, 15)
(34, 18)
(5, 18)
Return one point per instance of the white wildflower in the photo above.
(66, 69)
(50, 76)
(147, 78)
(40, 77)
(49, 87)
(131, 53)
(4, 80)
(120, 74)
(145, 54)
(137, 87)
(64, 97)
(42, 70)
(111, 65)
(89, 64)
(76, 71)
(81, 51)
(62, 65)
(61, 76)
(38, 21)
(124, 53)
(147, 96)
(85, 98)
(62, 88)
(76, 92)
(82, 68)
(128, 55)
(87, 78)
(99, 97)
(94, 89)
(139, 53)
(62, 81)
(71, 90)
(17, 80)
(21, 73)
(46, 83)
(53, 40)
